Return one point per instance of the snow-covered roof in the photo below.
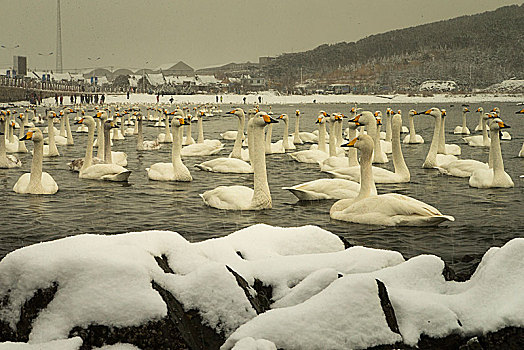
(155, 79)
(206, 80)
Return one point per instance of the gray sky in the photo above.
(204, 33)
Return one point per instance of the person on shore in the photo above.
(216, 98)
(259, 99)
(61, 100)
(171, 100)
(128, 95)
(157, 98)
(244, 99)
(221, 99)
(56, 98)
(103, 98)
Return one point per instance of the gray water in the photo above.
(484, 218)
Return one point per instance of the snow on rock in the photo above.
(347, 313)
(252, 344)
(64, 344)
(507, 86)
(119, 346)
(437, 85)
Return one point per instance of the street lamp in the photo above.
(45, 54)
(10, 50)
(93, 59)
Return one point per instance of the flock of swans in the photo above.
(346, 155)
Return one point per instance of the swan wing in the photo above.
(229, 197)
(108, 172)
(325, 189)
(309, 156)
(462, 167)
(226, 165)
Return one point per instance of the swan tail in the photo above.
(202, 167)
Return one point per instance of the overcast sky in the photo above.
(204, 33)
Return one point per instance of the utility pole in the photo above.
(58, 39)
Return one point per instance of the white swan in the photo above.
(285, 142)
(242, 197)
(318, 155)
(390, 209)
(521, 153)
(82, 128)
(37, 181)
(480, 140)
(118, 158)
(336, 158)
(21, 143)
(381, 175)
(433, 159)
(463, 129)
(385, 145)
(496, 176)
(480, 111)
(176, 170)
(188, 139)
(166, 136)
(444, 148)
(325, 189)
(504, 134)
(6, 161)
(303, 136)
(297, 140)
(237, 147)
(50, 150)
(368, 120)
(107, 172)
(142, 145)
(413, 137)
(203, 147)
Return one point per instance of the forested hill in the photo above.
(475, 51)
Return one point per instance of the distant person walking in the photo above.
(216, 98)
(221, 99)
(259, 99)
(157, 98)
(128, 95)
(56, 98)
(171, 100)
(61, 100)
(103, 98)
(244, 99)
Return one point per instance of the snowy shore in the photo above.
(262, 287)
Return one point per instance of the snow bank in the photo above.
(347, 313)
(508, 86)
(65, 344)
(438, 86)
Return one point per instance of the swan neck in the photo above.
(332, 142)
(366, 174)
(35, 179)
(100, 139)
(398, 158)
(107, 147)
(140, 135)
(285, 139)
(388, 127)
(88, 160)
(485, 141)
(68, 131)
(51, 134)
(431, 158)
(261, 194)
(269, 134)
(322, 137)
(442, 137)
(352, 152)
(3, 151)
(62, 126)
(496, 154)
(464, 124)
(412, 132)
(237, 147)
(297, 126)
(200, 130)
(177, 146)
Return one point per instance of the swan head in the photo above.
(465, 110)
(86, 120)
(362, 142)
(496, 110)
(480, 110)
(33, 134)
(378, 114)
(284, 117)
(498, 124)
(396, 123)
(412, 112)
(297, 113)
(338, 116)
(320, 120)
(21, 116)
(399, 111)
(262, 119)
(520, 112)
(109, 124)
(434, 112)
(443, 113)
(239, 112)
(324, 114)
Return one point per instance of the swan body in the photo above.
(390, 209)
(462, 167)
(325, 189)
(142, 145)
(444, 148)
(241, 197)
(316, 154)
(368, 120)
(286, 144)
(37, 181)
(176, 170)
(495, 176)
(463, 129)
(51, 150)
(480, 140)
(230, 135)
(413, 137)
(202, 147)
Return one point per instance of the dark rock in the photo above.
(240, 254)
(448, 273)
(260, 305)
(161, 335)
(264, 293)
(510, 338)
(162, 262)
(387, 308)
(28, 313)
(189, 324)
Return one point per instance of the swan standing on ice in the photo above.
(381, 175)
(463, 129)
(37, 181)
(390, 209)
(176, 170)
(444, 148)
(6, 161)
(107, 172)
(412, 137)
(433, 159)
(242, 197)
(233, 164)
(496, 176)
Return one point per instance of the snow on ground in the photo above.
(269, 97)
(65, 344)
(324, 296)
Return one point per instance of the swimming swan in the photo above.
(6, 161)
(463, 129)
(390, 209)
(412, 137)
(444, 148)
(433, 159)
(37, 181)
(496, 176)
(176, 170)
(242, 197)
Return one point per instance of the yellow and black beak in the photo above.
(466, 110)
(428, 112)
(28, 136)
(267, 118)
(319, 120)
(98, 115)
(503, 126)
(520, 112)
(379, 122)
(350, 143)
(479, 110)
(81, 121)
(297, 112)
(232, 112)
